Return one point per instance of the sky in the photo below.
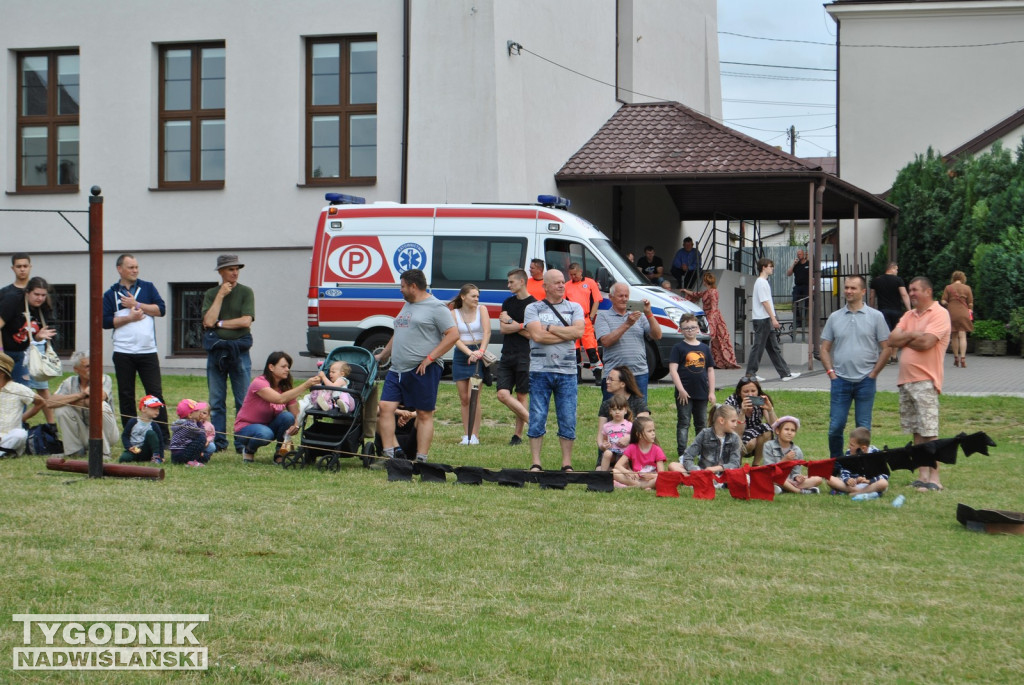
(764, 108)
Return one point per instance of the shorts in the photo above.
(461, 368)
(513, 374)
(919, 408)
(411, 389)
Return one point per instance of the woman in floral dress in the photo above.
(721, 341)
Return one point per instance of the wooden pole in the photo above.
(96, 468)
(117, 470)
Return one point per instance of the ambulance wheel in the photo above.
(375, 342)
(655, 372)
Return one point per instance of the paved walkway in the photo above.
(983, 376)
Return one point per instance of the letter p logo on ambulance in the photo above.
(356, 259)
(110, 642)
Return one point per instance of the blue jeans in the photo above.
(542, 386)
(256, 435)
(844, 392)
(695, 412)
(641, 382)
(217, 382)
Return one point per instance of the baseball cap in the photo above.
(187, 406)
(150, 401)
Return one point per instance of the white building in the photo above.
(215, 126)
(920, 74)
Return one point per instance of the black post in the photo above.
(96, 334)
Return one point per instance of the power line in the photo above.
(777, 66)
(875, 45)
(811, 142)
(775, 40)
(772, 77)
(782, 116)
(776, 102)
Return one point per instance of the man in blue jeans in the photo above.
(228, 311)
(554, 324)
(853, 350)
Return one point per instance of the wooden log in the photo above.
(115, 470)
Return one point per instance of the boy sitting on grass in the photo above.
(140, 438)
(845, 481)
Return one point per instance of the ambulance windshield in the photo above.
(625, 271)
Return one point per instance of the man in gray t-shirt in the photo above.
(623, 334)
(854, 338)
(555, 324)
(424, 332)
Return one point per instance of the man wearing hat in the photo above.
(17, 404)
(228, 311)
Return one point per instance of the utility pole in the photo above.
(792, 150)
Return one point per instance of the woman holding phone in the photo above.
(23, 323)
(755, 407)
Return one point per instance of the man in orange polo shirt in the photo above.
(923, 333)
(535, 283)
(586, 293)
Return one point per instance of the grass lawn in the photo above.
(344, 577)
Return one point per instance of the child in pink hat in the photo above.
(188, 438)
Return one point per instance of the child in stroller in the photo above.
(334, 411)
(337, 377)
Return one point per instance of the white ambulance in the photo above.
(360, 250)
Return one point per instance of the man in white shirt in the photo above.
(129, 308)
(765, 324)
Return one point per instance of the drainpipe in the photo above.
(406, 41)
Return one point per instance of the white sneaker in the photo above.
(778, 489)
(792, 375)
(473, 440)
(465, 440)
(760, 379)
(810, 491)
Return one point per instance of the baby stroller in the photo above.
(327, 435)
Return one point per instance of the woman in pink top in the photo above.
(268, 412)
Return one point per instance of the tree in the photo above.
(965, 214)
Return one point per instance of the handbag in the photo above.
(42, 366)
(488, 358)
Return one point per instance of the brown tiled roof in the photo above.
(669, 138)
(709, 169)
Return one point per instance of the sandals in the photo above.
(536, 467)
(567, 468)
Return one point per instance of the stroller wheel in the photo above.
(368, 451)
(293, 459)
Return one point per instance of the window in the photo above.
(485, 262)
(187, 317)
(191, 136)
(62, 299)
(47, 137)
(341, 111)
(559, 254)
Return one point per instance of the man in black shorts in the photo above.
(514, 367)
(889, 295)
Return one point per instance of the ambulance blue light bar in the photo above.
(342, 199)
(553, 201)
